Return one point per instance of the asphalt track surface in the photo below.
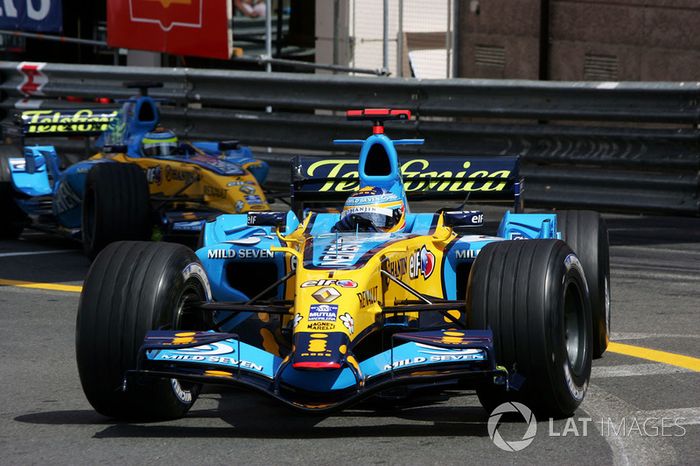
(642, 408)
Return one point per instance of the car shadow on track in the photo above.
(250, 416)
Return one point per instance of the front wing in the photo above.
(414, 358)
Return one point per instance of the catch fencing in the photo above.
(631, 147)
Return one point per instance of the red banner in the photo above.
(179, 27)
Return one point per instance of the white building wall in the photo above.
(366, 31)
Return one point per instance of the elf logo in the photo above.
(340, 283)
(421, 262)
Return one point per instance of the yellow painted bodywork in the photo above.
(219, 192)
(374, 291)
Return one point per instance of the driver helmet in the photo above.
(159, 142)
(384, 210)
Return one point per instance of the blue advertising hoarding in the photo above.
(31, 15)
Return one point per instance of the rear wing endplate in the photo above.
(317, 181)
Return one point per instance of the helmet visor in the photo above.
(379, 217)
(156, 147)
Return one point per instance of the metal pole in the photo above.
(268, 33)
(385, 39)
(336, 30)
(448, 38)
(399, 42)
(268, 42)
(455, 38)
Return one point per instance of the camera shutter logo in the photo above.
(515, 445)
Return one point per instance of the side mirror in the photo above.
(463, 218)
(229, 145)
(115, 149)
(267, 219)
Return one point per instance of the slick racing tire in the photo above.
(116, 206)
(587, 234)
(15, 218)
(131, 288)
(533, 296)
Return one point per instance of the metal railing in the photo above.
(631, 147)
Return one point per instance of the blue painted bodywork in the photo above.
(53, 197)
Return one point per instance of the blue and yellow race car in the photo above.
(321, 309)
(142, 178)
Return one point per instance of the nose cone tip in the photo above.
(316, 365)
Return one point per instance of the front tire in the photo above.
(586, 233)
(116, 206)
(131, 288)
(533, 296)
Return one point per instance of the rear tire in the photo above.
(116, 206)
(131, 288)
(533, 296)
(14, 218)
(586, 233)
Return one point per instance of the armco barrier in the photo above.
(631, 147)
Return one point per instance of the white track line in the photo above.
(680, 416)
(632, 370)
(36, 253)
(605, 410)
(617, 336)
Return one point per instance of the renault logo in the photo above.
(326, 295)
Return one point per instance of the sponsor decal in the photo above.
(341, 252)
(240, 253)
(176, 174)
(213, 191)
(421, 262)
(194, 269)
(211, 349)
(18, 164)
(322, 282)
(326, 295)
(253, 199)
(297, 318)
(195, 225)
(516, 236)
(239, 206)
(66, 199)
(321, 326)
(418, 175)
(225, 360)
(348, 321)
(397, 267)
(247, 189)
(61, 122)
(438, 356)
(467, 253)
(154, 175)
(231, 184)
(367, 297)
(323, 312)
(183, 395)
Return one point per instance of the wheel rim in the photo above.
(574, 327)
(186, 319)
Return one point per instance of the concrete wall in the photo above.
(634, 40)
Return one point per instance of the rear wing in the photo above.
(326, 181)
(73, 122)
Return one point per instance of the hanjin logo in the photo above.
(167, 13)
